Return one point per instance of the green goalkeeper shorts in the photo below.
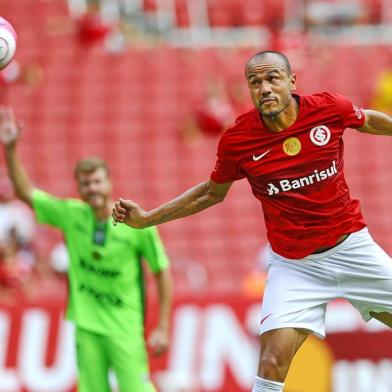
(96, 354)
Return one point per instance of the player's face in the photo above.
(270, 86)
(95, 188)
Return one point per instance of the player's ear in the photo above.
(293, 82)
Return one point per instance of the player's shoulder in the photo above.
(76, 206)
(243, 123)
(148, 234)
(323, 98)
(245, 118)
(76, 203)
(44, 198)
(138, 238)
(138, 234)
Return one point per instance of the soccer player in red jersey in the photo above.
(290, 149)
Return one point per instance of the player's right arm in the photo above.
(9, 135)
(194, 200)
(48, 209)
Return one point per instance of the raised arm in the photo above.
(9, 135)
(376, 123)
(192, 201)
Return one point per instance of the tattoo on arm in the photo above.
(192, 201)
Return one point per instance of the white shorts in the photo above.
(297, 291)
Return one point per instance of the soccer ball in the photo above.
(7, 43)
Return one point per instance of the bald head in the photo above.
(271, 56)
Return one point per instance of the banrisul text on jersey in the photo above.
(316, 176)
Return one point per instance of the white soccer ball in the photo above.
(7, 43)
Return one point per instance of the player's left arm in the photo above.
(376, 123)
(160, 336)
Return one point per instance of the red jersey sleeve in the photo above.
(352, 116)
(226, 168)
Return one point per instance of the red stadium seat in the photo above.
(129, 109)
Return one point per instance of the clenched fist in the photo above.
(128, 212)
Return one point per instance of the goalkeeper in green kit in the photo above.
(105, 272)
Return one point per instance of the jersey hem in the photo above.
(309, 253)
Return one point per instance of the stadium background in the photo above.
(122, 87)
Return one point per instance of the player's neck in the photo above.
(285, 119)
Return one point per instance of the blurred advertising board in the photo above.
(214, 347)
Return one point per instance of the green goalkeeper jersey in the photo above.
(106, 293)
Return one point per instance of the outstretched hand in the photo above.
(10, 130)
(128, 212)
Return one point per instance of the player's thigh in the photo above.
(367, 283)
(92, 361)
(296, 296)
(129, 361)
